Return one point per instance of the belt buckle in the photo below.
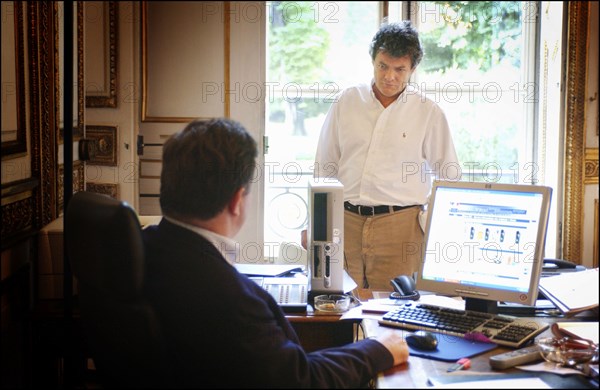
(371, 209)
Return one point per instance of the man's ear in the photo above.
(235, 204)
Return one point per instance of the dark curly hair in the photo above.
(204, 165)
(397, 40)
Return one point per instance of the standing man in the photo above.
(220, 329)
(385, 142)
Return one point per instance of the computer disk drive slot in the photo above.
(317, 266)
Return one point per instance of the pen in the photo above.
(461, 364)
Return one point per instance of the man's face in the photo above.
(391, 74)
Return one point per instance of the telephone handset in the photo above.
(555, 266)
(404, 288)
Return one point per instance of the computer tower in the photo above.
(325, 236)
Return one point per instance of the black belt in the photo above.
(373, 210)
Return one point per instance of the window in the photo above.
(478, 66)
(314, 50)
(481, 65)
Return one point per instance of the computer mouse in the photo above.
(422, 340)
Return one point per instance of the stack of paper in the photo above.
(579, 329)
(572, 292)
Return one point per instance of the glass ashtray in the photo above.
(333, 303)
(567, 351)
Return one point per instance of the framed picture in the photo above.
(101, 44)
(104, 188)
(104, 139)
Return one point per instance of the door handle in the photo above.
(140, 145)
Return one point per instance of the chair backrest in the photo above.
(106, 252)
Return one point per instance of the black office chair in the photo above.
(106, 253)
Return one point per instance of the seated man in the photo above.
(220, 328)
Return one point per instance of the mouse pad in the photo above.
(452, 348)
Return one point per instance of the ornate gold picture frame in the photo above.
(14, 136)
(104, 140)
(103, 188)
(102, 32)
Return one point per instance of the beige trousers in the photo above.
(378, 248)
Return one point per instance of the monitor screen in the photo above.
(485, 242)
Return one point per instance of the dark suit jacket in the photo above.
(223, 330)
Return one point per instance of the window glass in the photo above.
(477, 56)
(479, 65)
(314, 50)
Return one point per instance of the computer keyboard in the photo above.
(497, 328)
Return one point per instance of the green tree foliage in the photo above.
(486, 147)
(298, 44)
(475, 34)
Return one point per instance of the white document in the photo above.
(520, 383)
(572, 291)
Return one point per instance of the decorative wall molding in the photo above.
(103, 188)
(18, 209)
(575, 130)
(107, 96)
(42, 102)
(78, 176)
(44, 93)
(16, 143)
(206, 92)
(78, 69)
(591, 166)
(596, 232)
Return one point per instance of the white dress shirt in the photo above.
(386, 156)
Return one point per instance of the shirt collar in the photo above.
(409, 88)
(230, 249)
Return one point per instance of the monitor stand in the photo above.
(481, 305)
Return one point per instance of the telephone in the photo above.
(404, 288)
(291, 293)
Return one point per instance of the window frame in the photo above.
(531, 121)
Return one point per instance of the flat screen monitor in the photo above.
(485, 242)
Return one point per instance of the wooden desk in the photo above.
(322, 330)
(416, 372)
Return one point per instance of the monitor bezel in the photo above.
(488, 294)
